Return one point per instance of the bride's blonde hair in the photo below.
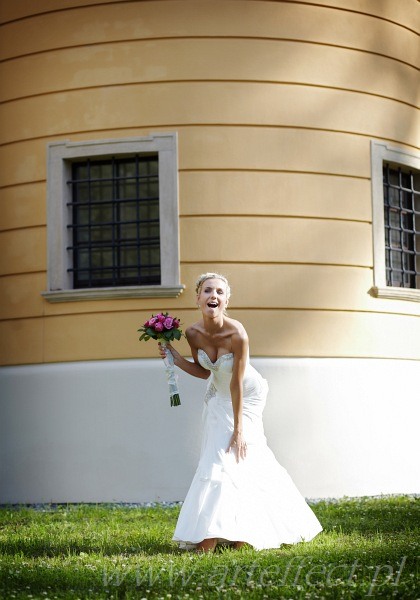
(204, 276)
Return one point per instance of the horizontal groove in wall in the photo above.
(43, 181)
(211, 37)
(23, 273)
(223, 216)
(227, 216)
(341, 356)
(20, 183)
(222, 81)
(40, 226)
(232, 308)
(270, 216)
(227, 170)
(236, 262)
(320, 173)
(160, 126)
(268, 356)
(265, 262)
(298, 2)
(348, 10)
(226, 262)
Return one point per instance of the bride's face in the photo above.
(212, 298)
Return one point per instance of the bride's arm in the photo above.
(192, 368)
(240, 352)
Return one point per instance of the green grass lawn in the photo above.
(369, 548)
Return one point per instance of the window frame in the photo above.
(60, 156)
(382, 153)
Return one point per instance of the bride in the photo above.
(240, 494)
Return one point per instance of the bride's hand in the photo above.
(172, 350)
(161, 350)
(238, 444)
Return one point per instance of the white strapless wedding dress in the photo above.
(253, 501)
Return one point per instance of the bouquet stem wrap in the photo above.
(171, 376)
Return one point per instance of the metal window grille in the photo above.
(115, 222)
(402, 226)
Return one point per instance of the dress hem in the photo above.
(188, 545)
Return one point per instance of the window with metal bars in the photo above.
(402, 226)
(113, 219)
(115, 222)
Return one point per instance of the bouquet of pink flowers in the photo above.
(164, 328)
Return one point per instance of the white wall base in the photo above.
(104, 431)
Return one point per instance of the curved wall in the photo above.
(275, 105)
(274, 111)
(95, 432)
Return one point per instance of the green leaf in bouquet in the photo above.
(175, 400)
(176, 334)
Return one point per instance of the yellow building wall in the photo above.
(275, 104)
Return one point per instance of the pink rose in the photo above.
(158, 326)
(161, 318)
(176, 323)
(168, 323)
(152, 321)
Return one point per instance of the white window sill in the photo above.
(394, 293)
(114, 293)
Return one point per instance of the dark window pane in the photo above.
(115, 226)
(129, 211)
(402, 227)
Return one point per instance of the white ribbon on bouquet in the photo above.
(171, 376)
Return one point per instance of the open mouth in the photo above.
(212, 304)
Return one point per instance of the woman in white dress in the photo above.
(240, 493)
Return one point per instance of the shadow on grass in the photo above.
(36, 549)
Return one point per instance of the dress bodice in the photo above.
(224, 363)
(221, 375)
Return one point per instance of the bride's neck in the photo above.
(213, 326)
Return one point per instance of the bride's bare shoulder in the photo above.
(239, 340)
(238, 330)
(192, 331)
